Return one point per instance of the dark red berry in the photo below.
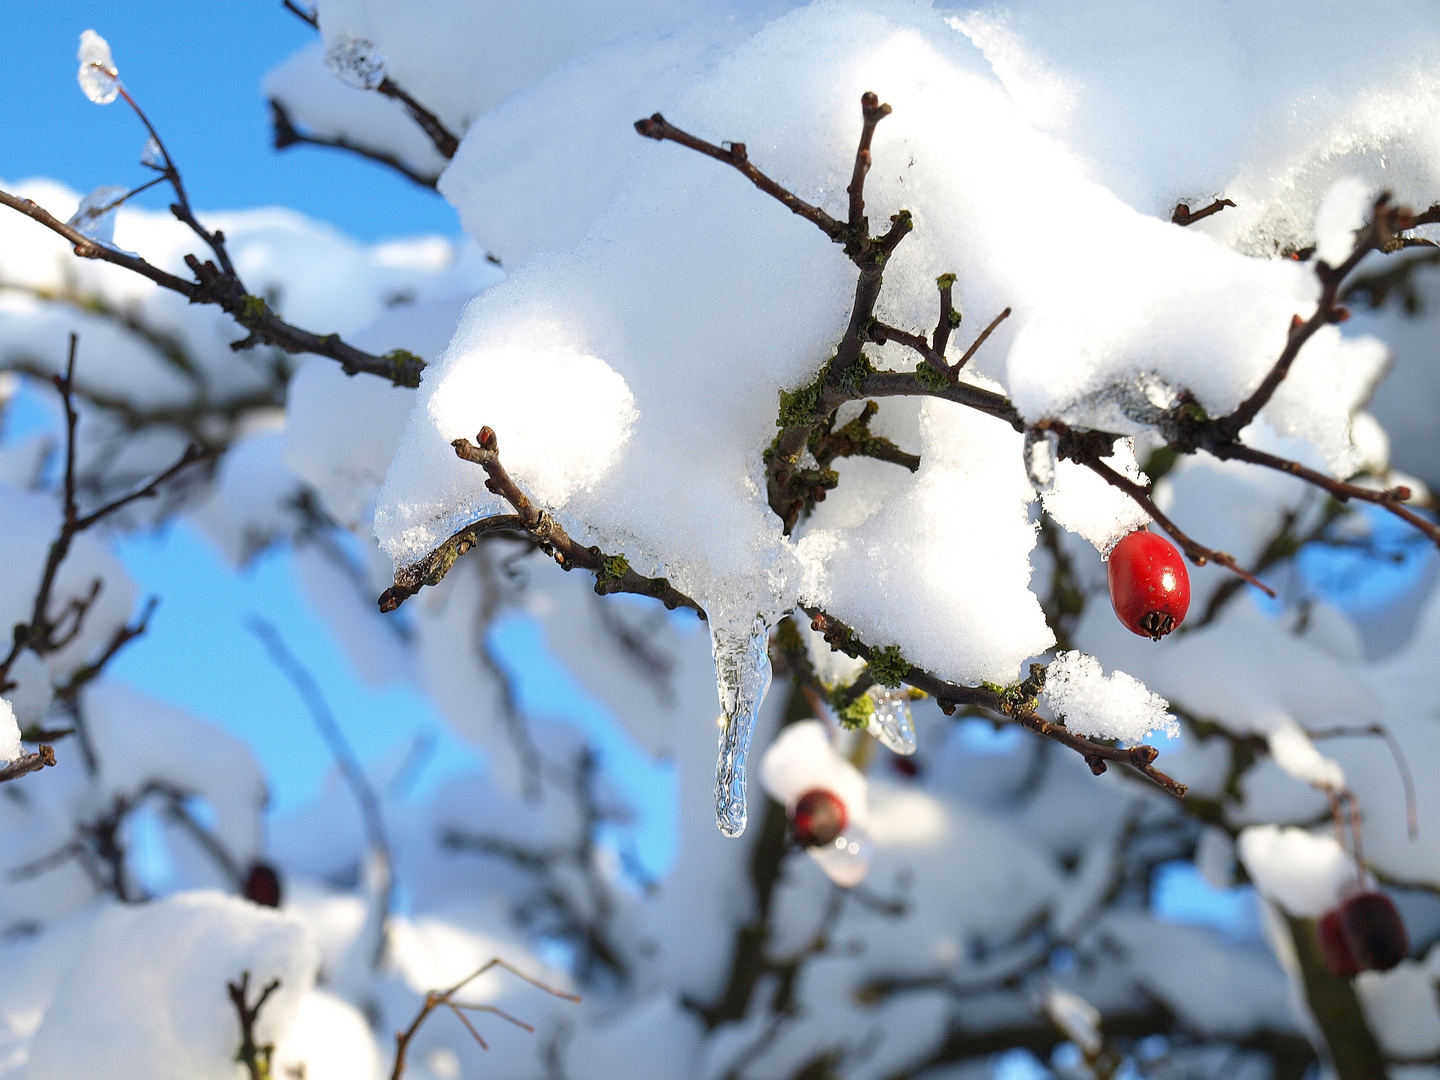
(1374, 930)
(907, 767)
(262, 885)
(1334, 946)
(1149, 585)
(819, 818)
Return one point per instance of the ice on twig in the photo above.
(1114, 706)
(742, 674)
(95, 216)
(846, 859)
(356, 62)
(152, 156)
(890, 721)
(1075, 1016)
(98, 77)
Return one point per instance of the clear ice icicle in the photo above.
(152, 156)
(891, 722)
(742, 675)
(356, 62)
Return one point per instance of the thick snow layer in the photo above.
(1306, 873)
(148, 990)
(1267, 104)
(1114, 706)
(625, 407)
(1085, 504)
(10, 747)
(329, 1039)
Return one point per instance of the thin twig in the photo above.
(286, 134)
(255, 1058)
(437, 998)
(349, 765)
(1183, 216)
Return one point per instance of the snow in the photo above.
(148, 990)
(10, 747)
(328, 1040)
(1085, 504)
(1296, 754)
(1304, 872)
(31, 695)
(1115, 706)
(1343, 212)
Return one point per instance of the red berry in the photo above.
(907, 767)
(1149, 585)
(819, 818)
(1374, 930)
(262, 885)
(1334, 946)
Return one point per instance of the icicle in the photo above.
(846, 859)
(891, 722)
(98, 77)
(356, 62)
(742, 673)
(1041, 456)
(95, 217)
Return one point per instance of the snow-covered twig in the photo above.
(286, 134)
(612, 572)
(1016, 703)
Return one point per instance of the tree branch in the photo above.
(1013, 703)
(286, 134)
(612, 572)
(256, 1059)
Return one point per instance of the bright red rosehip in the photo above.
(1374, 930)
(1335, 946)
(1149, 585)
(262, 886)
(819, 818)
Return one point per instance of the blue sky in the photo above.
(196, 68)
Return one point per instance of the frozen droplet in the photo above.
(742, 675)
(1040, 459)
(890, 722)
(98, 77)
(846, 860)
(152, 156)
(96, 216)
(356, 61)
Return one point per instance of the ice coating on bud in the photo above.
(95, 217)
(1041, 459)
(98, 77)
(356, 61)
(152, 156)
(891, 722)
(846, 859)
(742, 675)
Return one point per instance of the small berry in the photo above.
(906, 766)
(819, 817)
(1334, 946)
(262, 885)
(1149, 585)
(1374, 930)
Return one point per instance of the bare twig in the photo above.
(438, 998)
(28, 763)
(214, 286)
(349, 765)
(1183, 216)
(443, 138)
(286, 134)
(255, 1058)
(661, 130)
(300, 13)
